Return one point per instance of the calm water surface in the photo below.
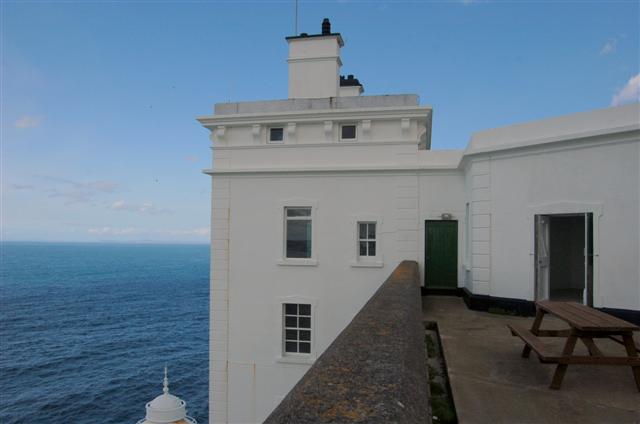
(85, 330)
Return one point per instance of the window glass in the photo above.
(297, 328)
(305, 335)
(291, 309)
(305, 310)
(367, 239)
(276, 135)
(348, 132)
(298, 232)
(293, 212)
(304, 322)
(304, 347)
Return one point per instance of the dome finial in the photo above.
(165, 382)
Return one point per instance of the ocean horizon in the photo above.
(86, 329)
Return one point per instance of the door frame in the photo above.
(457, 244)
(543, 253)
(564, 208)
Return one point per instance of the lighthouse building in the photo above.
(318, 197)
(166, 408)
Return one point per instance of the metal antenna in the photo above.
(295, 22)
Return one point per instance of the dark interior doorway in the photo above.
(565, 257)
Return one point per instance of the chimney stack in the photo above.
(326, 26)
(314, 64)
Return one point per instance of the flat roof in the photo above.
(574, 126)
(327, 103)
(304, 36)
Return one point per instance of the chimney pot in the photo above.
(326, 26)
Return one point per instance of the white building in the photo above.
(316, 198)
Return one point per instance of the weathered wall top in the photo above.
(375, 371)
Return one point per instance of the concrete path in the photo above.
(491, 383)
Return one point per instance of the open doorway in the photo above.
(564, 257)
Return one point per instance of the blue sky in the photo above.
(99, 99)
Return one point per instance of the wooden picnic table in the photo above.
(586, 324)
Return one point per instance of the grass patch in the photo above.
(442, 411)
(442, 408)
(431, 347)
(436, 389)
(433, 372)
(500, 311)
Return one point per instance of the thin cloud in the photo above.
(110, 231)
(103, 186)
(202, 232)
(609, 47)
(78, 192)
(146, 208)
(22, 187)
(630, 93)
(28, 121)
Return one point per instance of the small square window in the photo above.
(297, 328)
(276, 135)
(348, 132)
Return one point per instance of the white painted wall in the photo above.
(258, 282)
(583, 177)
(441, 192)
(314, 66)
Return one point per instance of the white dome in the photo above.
(166, 402)
(167, 408)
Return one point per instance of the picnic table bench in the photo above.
(586, 324)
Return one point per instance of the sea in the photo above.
(86, 330)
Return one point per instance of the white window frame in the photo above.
(467, 237)
(366, 239)
(279, 341)
(297, 340)
(348, 124)
(284, 134)
(366, 261)
(298, 203)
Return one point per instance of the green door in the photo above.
(441, 254)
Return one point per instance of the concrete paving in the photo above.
(491, 383)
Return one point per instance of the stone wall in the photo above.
(375, 371)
